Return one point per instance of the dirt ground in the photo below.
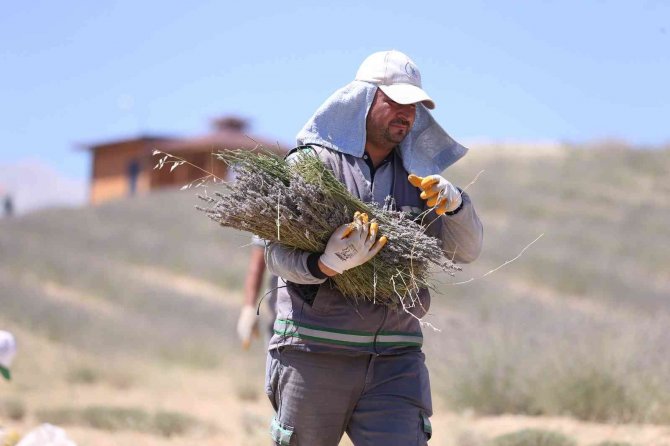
(238, 411)
(228, 399)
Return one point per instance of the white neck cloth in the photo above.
(339, 124)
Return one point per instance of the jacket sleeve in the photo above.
(462, 233)
(289, 264)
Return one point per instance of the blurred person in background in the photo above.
(249, 320)
(8, 206)
(7, 353)
(7, 203)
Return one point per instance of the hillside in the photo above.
(127, 311)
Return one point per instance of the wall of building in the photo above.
(111, 177)
(112, 171)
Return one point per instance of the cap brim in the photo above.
(407, 94)
(5, 372)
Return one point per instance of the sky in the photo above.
(74, 73)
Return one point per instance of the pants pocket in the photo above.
(281, 433)
(272, 369)
(427, 427)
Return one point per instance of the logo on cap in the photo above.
(410, 69)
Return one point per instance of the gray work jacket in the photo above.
(312, 315)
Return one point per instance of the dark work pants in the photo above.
(377, 400)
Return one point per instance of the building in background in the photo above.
(126, 167)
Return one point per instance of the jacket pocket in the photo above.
(306, 293)
(326, 299)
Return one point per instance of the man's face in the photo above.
(388, 122)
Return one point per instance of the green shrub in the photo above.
(197, 357)
(13, 409)
(489, 387)
(169, 424)
(613, 443)
(247, 391)
(594, 395)
(83, 375)
(99, 417)
(164, 423)
(114, 419)
(533, 437)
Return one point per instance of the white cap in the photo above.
(396, 75)
(7, 352)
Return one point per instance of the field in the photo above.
(125, 313)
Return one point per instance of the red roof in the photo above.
(229, 134)
(223, 140)
(149, 139)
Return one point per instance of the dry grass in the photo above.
(533, 437)
(114, 419)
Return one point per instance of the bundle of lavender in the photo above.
(300, 204)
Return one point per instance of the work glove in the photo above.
(438, 192)
(247, 325)
(352, 244)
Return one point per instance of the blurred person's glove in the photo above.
(438, 192)
(247, 325)
(352, 244)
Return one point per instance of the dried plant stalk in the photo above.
(300, 204)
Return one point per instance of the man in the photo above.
(7, 352)
(336, 366)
